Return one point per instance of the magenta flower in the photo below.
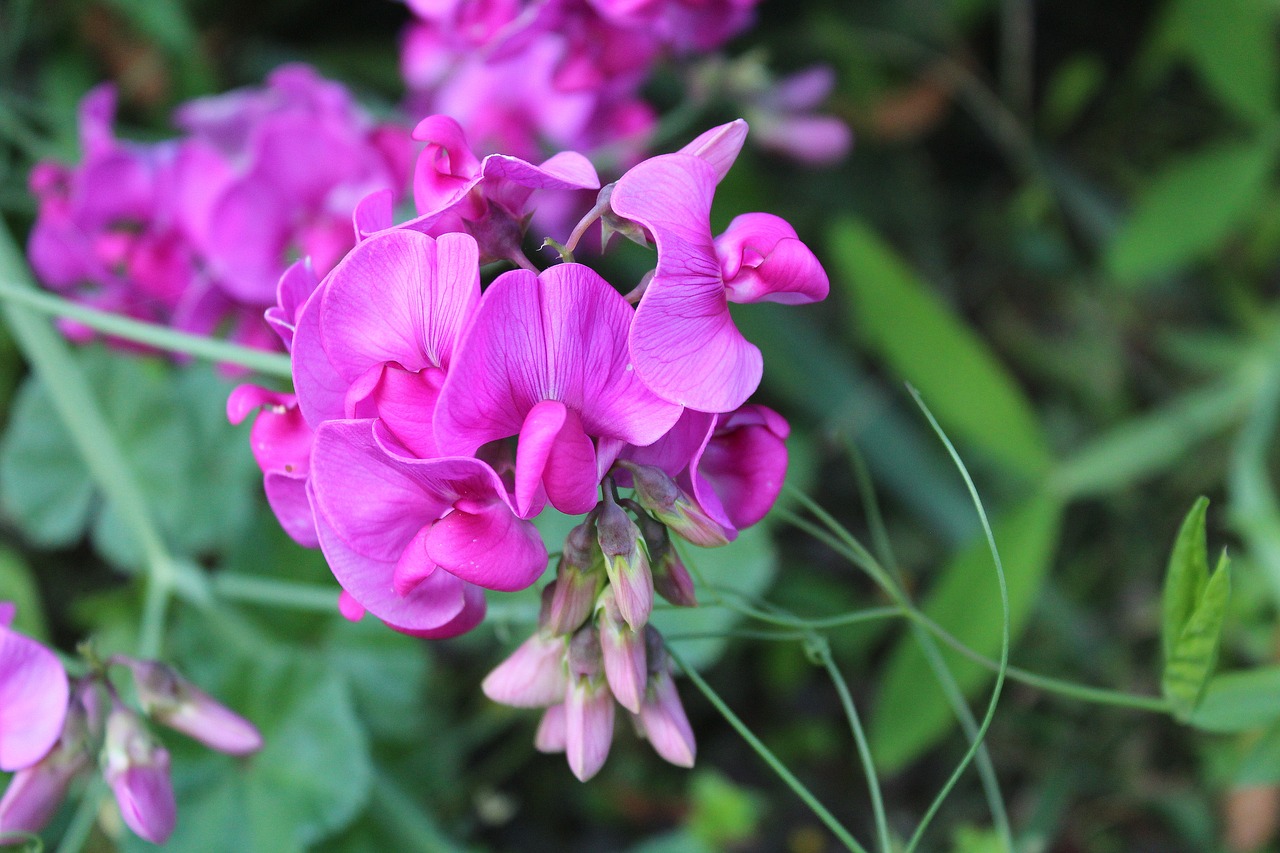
(412, 540)
(136, 767)
(33, 697)
(281, 443)
(684, 341)
(561, 379)
(380, 335)
(36, 791)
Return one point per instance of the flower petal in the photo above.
(33, 700)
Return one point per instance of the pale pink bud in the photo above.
(551, 730)
(136, 767)
(534, 676)
(662, 717)
(626, 564)
(623, 652)
(588, 707)
(671, 579)
(579, 576)
(660, 494)
(173, 701)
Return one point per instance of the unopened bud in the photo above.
(534, 676)
(579, 576)
(136, 767)
(669, 503)
(623, 652)
(173, 701)
(627, 564)
(662, 717)
(671, 579)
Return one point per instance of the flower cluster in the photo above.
(524, 76)
(53, 729)
(433, 418)
(195, 231)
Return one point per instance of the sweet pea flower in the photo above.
(684, 342)
(564, 377)
(414, 540)
(33, 696)
(281, 442)
(36, 791)
(136, 767)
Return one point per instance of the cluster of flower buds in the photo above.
(524, 76)
(194, 232)
(54, 729)
(434, 418)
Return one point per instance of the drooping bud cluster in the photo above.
(195, 231)
(55, 729)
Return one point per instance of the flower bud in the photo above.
(173, 701)
(662, 717)
(579, 576)
(534, 676)
(623, 653)
(136, 767)
(660, 494)
(671, 579)
(35, 792)
(588, 707)
(626, 563)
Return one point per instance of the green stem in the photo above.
(86, 815)
(78, 408)
(150, 334)
(769, 758)
(276, 593)
(863, 746)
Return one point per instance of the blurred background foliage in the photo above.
(1060, 223)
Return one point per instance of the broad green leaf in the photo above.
(912, 712)
(722, 814)
(195, 470)
(1232, 45)
(386, 673)
(17, 585)
(969, 390)
(311, 779)
(747, 565)
(1188, 210)
(1072, 86)
(1239, 701)
(1261, 763)
(1186, 577)
(1194, 654)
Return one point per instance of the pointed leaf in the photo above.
(1185, 580)
(1239, 701)
(969, 390)
(1187, 670)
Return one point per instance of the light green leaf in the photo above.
(912, 711)
(747, 565)
(969, 390)
(1187, 211)
(1186, 577)
(723, 814)
(1232, 45)
(1194, 654)
(1239, 701)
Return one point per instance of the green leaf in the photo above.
(747, 565)
(1186, 577)
(1239, 701)
(311, 779)
(1073, 85)
(969, 390)
(723, 814)
(912, 711)
(1232, 45)
(1190, 209)
(1261, 763)
(171, 427)
(17, 585)
(1194, 654)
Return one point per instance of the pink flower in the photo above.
(684, 341)
(412, 540)
(33, 697)
(559, 380)
(281, 441)
(36, 791)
